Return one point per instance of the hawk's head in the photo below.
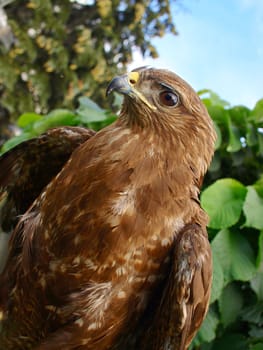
(159, 100)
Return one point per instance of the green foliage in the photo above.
(63, 49)
(233, 198)
(239, 151)
(88, 114)
(253, 209)
(223, 201)
(235, 254)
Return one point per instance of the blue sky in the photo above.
(219, 46)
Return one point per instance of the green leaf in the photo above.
(234, 142)
(253, 209)
(239, 116)
(257, 284)
(253, 313)
(207, 331)
(219, 115)
(58, 117)
(85, 102)
(16, 140)
(257, 281)
(223, 201)
(256, 331)
(235, 254)
(258, 346)
(251, 135)
(89, 111)
(218, 277)
(230, 304)
(216, 163)
(209, 97)
(27, 119)
(257, 113)
(219, 136)
(260, 143)
(260, 250)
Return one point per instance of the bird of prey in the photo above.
(109, 249)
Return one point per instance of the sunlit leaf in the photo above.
(57, 117)
(234, 142)
(223, 201)
(257, 113)
(213, 98)
(27, 119)
(16, 140)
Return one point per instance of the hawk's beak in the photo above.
(126, 85)
(123, 84)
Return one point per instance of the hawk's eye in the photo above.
(169, 98)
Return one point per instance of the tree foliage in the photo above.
(63, 49)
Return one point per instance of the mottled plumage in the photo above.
(113, 253)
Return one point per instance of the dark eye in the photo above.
(169, 98)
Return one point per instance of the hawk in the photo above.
(109, 248)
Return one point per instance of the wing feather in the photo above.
(186, 296)
(28, 168)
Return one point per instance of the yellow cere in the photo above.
(133, 77)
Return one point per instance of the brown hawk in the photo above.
(109, 247)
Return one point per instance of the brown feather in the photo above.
(186, 295)
(30, 166)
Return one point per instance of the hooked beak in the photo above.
(125, 85)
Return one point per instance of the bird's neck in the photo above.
(162, 155)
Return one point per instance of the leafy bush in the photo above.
(233, 198)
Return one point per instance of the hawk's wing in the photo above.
(185, 299)
(28, 168)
